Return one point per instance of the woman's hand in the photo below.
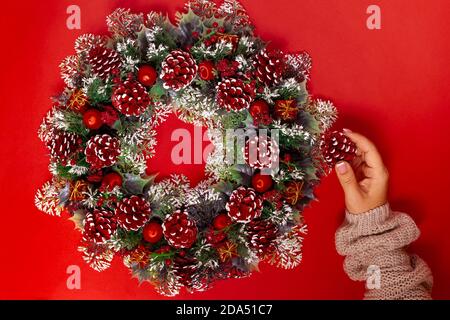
(365, 180)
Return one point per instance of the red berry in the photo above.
(147, 75)
(153, 232)
(221, 221)
(215, 24)
(92, 119)
(287, 158)
(262, 182)
(206, 70)
(258, 108)
(111, 180)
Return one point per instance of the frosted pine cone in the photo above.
(244, 205)
(130, 98)
(269, 67)
(336, 147)
(103, 61)
(133, 213)
(63, 145)
(102, 151)
(99, 225)
(235, 94)
(261, 152)
(261, 235)
(185, 268)
(179, 230)
(178, 70)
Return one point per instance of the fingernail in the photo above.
(346, 130)
(341, 167)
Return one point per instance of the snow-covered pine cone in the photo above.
(102, 151)
(99, 225)
(130, 98)
(261, 235)
(336, 146)
(235, 94)
(179, 230)
(63, 145)
(103, 61)
(244, 205)
(269, 67)
(178, 70)
(261, 153)
(185, 268)
(133, 213)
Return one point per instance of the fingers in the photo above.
(347, 179)
(370, 153)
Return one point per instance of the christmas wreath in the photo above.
(209, 69)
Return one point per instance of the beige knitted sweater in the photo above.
(373, 244)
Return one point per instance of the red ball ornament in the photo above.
(153, 232)
(206, 70)
(258, 108)
(111, 180)
(262, 182)
(287, 157)
(92, 119)
(221, 221)
(147, 75)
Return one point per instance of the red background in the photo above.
(391, 84)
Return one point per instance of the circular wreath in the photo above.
(211, 70)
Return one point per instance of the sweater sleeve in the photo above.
(373, 244)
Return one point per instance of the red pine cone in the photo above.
(130, 98)
(244, 205)
(178, 70)
(185, 267)
(261, 153)
(99, 225)
(103, 61)
(102, 151)
(269, 67)
(336, 147)
(63, 145)
(235, 94)
(261, 234)
(133, 213)
(179, 230)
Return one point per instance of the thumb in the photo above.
(347, 178)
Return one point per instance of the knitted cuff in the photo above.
(369, 219)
